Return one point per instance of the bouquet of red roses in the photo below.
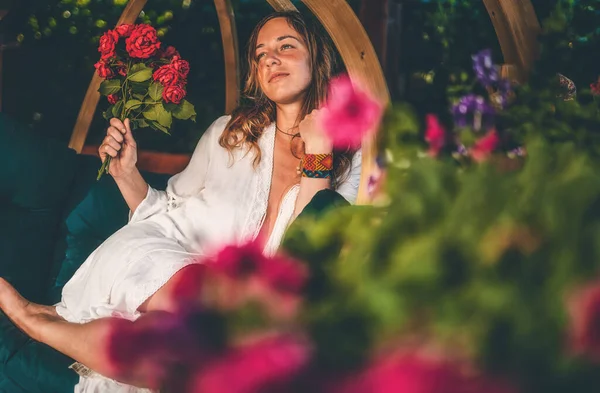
(142, 81)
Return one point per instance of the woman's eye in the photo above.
(260, 56)
(286, 46)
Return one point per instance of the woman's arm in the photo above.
(133, 188)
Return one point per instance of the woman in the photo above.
(243, 182)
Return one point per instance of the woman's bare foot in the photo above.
(28, 316)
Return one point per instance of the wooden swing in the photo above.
(514, 20)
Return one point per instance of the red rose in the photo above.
(169, 52)
(584, 308)
(124, 30)
(112, 98)
(108, 41)
(104, 70)
(166, 75)
(143, 42)
(182, 66)
(173, 93)
(121, 68)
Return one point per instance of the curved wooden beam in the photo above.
(90, 102)
(362, 64)
(517, 27)
(231, 52)
(282, 5)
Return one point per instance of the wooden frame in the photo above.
(514, 20)
(517, 28)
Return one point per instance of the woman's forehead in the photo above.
(275, 29)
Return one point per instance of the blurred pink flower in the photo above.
(238, 261)
(188, 288)
(349, 114)
(484, 147)
(267, 365)
(409, 372)
(237, 275)
(279, 273)
(584, 310)
(435, 135)
(148, 348)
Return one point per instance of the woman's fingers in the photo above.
(118, 124)
(110, 141)
(115, 134)
(111, 151)
(128, 135)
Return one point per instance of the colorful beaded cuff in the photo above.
(319, 166)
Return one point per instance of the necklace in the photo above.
(286, 133)
(299, 167)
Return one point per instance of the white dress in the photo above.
(215, 201)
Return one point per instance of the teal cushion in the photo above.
(8, 386)
(37, 368)
(27, 241)
(35, 171)
(11, 340)
(91, 220)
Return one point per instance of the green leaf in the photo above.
(185, 111)
(131, 104)
(117, 109)
(139, 97)
(138, 67)
(142, 123)
(109, 87)
(140, 88)
(164, 118)
(159, 127)
(107, 114)
(151, 113)
(155, 91)
(139, 73)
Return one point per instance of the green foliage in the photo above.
(479, 260)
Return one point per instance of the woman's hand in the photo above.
(311, 132)
(120, 145)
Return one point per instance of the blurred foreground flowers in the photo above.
(479, 272)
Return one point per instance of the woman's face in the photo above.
(283, 61)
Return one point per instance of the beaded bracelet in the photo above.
(317, 166)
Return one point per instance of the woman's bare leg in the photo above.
(86, 343)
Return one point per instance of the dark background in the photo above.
(430, 43)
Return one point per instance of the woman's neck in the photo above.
(288, 116)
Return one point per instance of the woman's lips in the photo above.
(278, 76)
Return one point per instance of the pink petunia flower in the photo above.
(349, 114)
(260, 366)
(435, 135)
(584, 309)
(414, 373)
(484, 147)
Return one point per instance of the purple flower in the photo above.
(473, 111)
(485, 69)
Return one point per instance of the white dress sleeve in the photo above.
(349, 188)
(187, 183)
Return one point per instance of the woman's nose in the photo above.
(272, 59)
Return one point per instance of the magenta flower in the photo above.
(418, 374)
(435, 135)
(350, 114)
(150, 347)
(584, 309)
(260, 366)
(484, 147)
